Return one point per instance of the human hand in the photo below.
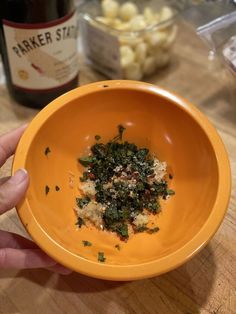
(16, 251)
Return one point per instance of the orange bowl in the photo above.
(170, 127)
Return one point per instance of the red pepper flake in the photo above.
(91, 176)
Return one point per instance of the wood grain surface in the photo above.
(207, 283)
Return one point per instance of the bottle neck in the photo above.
(35, 11)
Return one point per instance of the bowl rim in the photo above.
(146, 269)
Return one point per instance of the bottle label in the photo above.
(101, 49)
(42, 56)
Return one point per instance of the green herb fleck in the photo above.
(153, 230)
(121, 130)
(86, 161)
(47, 189)
(141, 229)
(57, 188)
(101, 257)
(146, 229)
(84, 178)
(80, 222)
(86, 243)
(97, 137)
(122, 230)
(170, 192)
(81, 202)
(154, 207)
(47, 151)
(117, 246)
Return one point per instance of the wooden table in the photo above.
(207, 283)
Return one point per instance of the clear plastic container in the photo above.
(128, 39)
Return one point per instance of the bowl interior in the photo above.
(152, 121)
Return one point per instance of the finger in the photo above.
(8, 143)
(22, 259)
(13, 190)
(15, 241)
(3, 180)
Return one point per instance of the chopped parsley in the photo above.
(153, 230)
(141, 229)
(57, 188)
(86, 161)
(170, 192)
(85, 177)
(126, 184)
(80, 222)
(122, 230)
(97, 137)
(101, 257)
(86, 243)
(47, 151)
(145, 228)
(81, 202)
(47, 189)
(119, 137)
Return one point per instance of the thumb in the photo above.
(13, 190)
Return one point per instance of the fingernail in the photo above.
(19, 176)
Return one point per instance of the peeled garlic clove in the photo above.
(149, 15)
(127, 55)
(156, 18)
(127, 11)
(124, 40)
(170, 38)
(110, 8)
(130, 41)
(137, 23)
(140, 52)
(134, 41)
(133, 72)
(116, 23)
(103, 20)
(123, 26)
(166, 13)
(162, 59)
(157, 38)
(149, 65)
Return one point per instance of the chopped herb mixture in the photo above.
(47, 189)
(86, 243)
(80, 222)
(101, 257)
(97, 137)
(121, 186)
(47, 151)
(117, 246)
